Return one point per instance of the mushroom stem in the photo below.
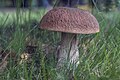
(68, 51)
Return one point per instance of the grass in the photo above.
(99, 53)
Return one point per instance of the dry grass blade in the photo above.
(3, 64)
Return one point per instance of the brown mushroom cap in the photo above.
(70, 20)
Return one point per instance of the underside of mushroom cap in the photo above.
(70, 20)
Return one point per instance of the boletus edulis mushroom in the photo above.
(70, 22)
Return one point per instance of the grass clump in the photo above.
(19, 34)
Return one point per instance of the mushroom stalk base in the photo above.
(68, 51)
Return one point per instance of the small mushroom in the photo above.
(70, 22)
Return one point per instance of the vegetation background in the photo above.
(27, 52)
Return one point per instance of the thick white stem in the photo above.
(68, 51)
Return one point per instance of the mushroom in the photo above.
(70, 22)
